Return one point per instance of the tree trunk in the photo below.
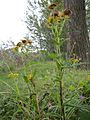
(78, 33)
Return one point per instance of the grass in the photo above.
(43, 71)
(46, 74)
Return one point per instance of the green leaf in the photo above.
(72, 88)
(52, 55)
(25, 78)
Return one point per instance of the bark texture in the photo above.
(78, 33)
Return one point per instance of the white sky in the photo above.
(11, 16)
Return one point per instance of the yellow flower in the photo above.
(15, 49)
(30, 77)
(56, 16)
(76, 60)
(73, 60)
(13, 75)
(50, 19)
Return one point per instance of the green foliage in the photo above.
(47, 91)
(37, 23)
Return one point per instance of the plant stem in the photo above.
(38, 107)
(18, 92)
(61, 101)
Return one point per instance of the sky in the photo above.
(12, 14)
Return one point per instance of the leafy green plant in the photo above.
(52, 90)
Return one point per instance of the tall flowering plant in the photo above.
(56, 22)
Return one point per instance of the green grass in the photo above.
(46, 74)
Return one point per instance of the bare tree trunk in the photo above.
(78, 33)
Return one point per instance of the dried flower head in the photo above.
(61, 15)
(29, 42)
(24, 41)
(19, 44)
(67, 12)
(52, 6)
(54, 13)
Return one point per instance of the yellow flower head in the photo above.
(73, 60)
(15, 49)
(30, 77)
(54, 17)
(57, 16)
(76, 60)
(50, 19)
(13, 75)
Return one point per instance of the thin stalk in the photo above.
(61, 29)
(61, 101)
(38, 107)
(37, 103)
(60, 85)
(18, 92)
(60, 70)
(57, 32)
(30, 97)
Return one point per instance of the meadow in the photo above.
(38, 99)
(44, 85)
